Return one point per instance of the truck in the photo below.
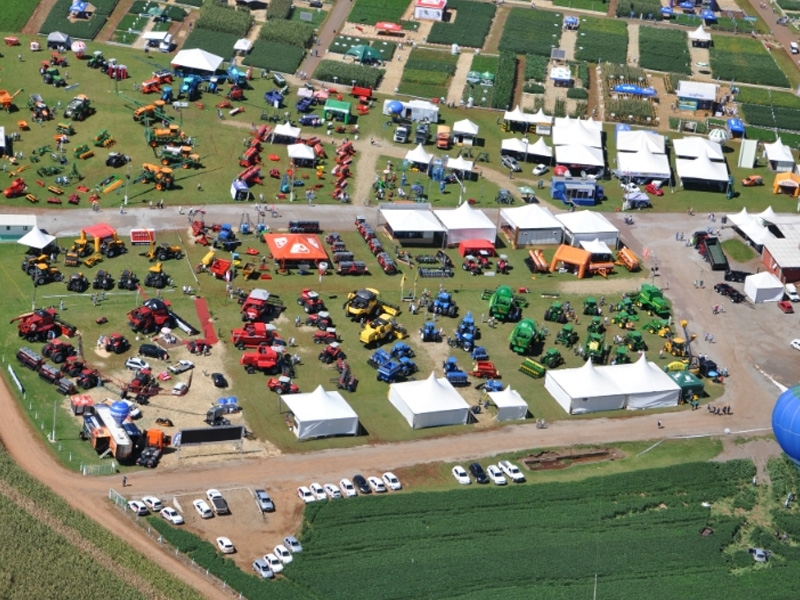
(218, 503)
(422, 133)
(711, 249)
(401, 134)
(253, 335)
(651, 299)
(261, 305)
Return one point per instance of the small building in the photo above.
(700, 38)
(56, 40)
(431, 402)
(321, 414)
(432, 10)
(13, 227)
(575, 192)
(530, 225)
(779, 156)
(561, 76)
(694, 95)
(240, 191)
(414, 110)
(763, 287)
(586, 226)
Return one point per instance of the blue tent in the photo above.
(571, 22)
(708, 15)
(628, 88)
(736, 126)
(667, 11)
(79, 7)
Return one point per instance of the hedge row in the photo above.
(279, 9)
(578, 94)
(293, 33)
(504, 81)
(346, 72)
(275, 57)
(215, 17)
(470, 28)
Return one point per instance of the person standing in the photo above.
(124, 481)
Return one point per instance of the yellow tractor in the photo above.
(382, 329)
(162, 252)
(365, 303)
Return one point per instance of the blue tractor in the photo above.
(304, 105)
(274, 98)
(453, 372)
(396, 369)
(190, 88)
(443, 304)
(479, 353)
(226, 238)
(237, 76)
(491, 385)
(379, 358)
(166, 94)
(465, 335)
(430, 333)
(402, 350)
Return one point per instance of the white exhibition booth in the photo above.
(466, 223)
(510, 405)
(431, 402)
(321, 414)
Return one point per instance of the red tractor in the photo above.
(332, 353)
(199, 347)
(322, 320)
(253, 335)
(146, 319)
(58, 350)
(88, 379)
(17, 188)
(73, 366)
(261, 305)
(326, 337)
(43, 324)
(265, 359)
(117, 343)
(142, 386)
(282, 385)
(310, 301)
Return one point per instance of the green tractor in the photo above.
(624, 319)
(567, 336)
(621, 356)
(651, 299)
(503, 304)
(552, 358)
(634, 341)
(524, 336)
(590, 306)
(596, 326)
(660, 327)
(595, 348)
(556, 313)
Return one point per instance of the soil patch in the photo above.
(553, 460)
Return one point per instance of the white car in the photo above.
(496, 475)
(153, 503)
(318, 491)
(292, 544)
(512, 471)
(181, 367)
(795, 344)
(305, 494)
(332, 491)
(180, 389)
(348, 489)
(203, 509)
(376, 485)
(540, 169)
(262, 569)
(133, 409)
(274, 563)
(138, 508)
(391, 481)
(461, 475)
(283, 554)
(137, 364)
(212, 493)
(225, 545)
(172, 515)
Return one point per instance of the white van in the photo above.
(166, 44)
(791, 292)
(794, 47)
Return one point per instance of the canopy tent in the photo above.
(786, 183)
(460, 164)
(295, 248)
(36, 238)
(561, 74)
(419, 156)
(531, 224)
(633, 141)
(586, 226)
(577, 132)
(466, 223)
(694, 147)
(386, 27)
(301, 153)
(767, 216)
(644, 163)
(750, 227)
(596, 248)
(540, 148)
(337, 109)
(197, 60)
(321, 414)
(763, 287)
(779, 156)
(243, 45)
(515, 118)
(414, 226)
(691, 386)
(464, 130)
(700, 36)
(286, 131)
(364, 53)
(540, 118)
(580, 155)
(591, 388)
(513, 145)
(475, 247)
(510, 405)
(430, 402)
(701, 169)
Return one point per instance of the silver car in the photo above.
(510, 162)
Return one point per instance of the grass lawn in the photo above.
(318, 15)
(738, 250)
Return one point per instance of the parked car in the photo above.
(332, 491)
(218, 379)
(203, 509)
(759, 554)
(274, 563)
(461, 475)
(153, 351)
(292, 544)
(510, 163)
(172, 515)
(347, 487)
(305, 494)
(361, 484)
(736, 276)
(786, 307)
(263, 500)
(540, 169)
(478, 473)
(283, 554)
(511, 471)
(376, 484)
(136, 364)
(138, 508)
(795, 343)
(391, 481)
(752, 180)
(496, 475)
(724, 289)
(181, 367)
(318, 491)
(153, 503)
(790, 290)
(180, 389)
(262, 569)
(225, 545)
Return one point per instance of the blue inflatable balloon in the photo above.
(119, 412)
(786, 422)
(395, 107)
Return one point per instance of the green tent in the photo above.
(337, 110)
(690, 384)
(473, 77)
(363, 53)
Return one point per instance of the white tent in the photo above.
(643, 163)
(419, 156)
(779, 156)
(513, 145)
(411, 221)
(532, 224)
(466, 223)
(460, 164)
(300, 152)
(579, 154)
(577, 132)
(639, 139)
(36, 238)
(586, 226)
(321, 414)
(286, 130)
(750, 226)
(540, 148)
(198, 60)
(700, 35)
(540, 118)
(465, 128)
(645, 385)
(767, 216)
(510, 405)
(763, 287)
(702, 168)
(517, 116)
(694, 147)
(431, 402)
(596, 247)
(56, 39)
(243, 45)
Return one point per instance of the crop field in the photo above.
(47, 528)
(635, 9)
(664, 50)
(78, 29)
(343, 43)
(745, 60)
(470, 28)
(531, 32)
(15, 14)
(481, 94)
(369, 12)
(602, 40)
(595, 5)
(777, 117)
(216, 42)
(754, 95)
(427, 73)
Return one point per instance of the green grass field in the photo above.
(15, 14)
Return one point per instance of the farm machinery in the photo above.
(381, 329)
(595, 348)
(660, 327)
(78, 282)
(596, 325)
(42, 324)
(392, 366)
(590, 306)
(117, 343)
(43, 273)
(552, 358)
(7, 99)
(79, 108)
(103, 281)
(162, 252)
(364, 303)
(170, 135)
(260, 305)
(430, 333)
(453, 373)
(567, 336)
(465, 334)
(634, 341)
(282, 385)
(503, 304)
(154, 174)
(621, 356)
(17, 188)
(58, 350)
(556, 313)
(127, 280)
(39, 110)
(331, 353)
(266, 359)
(310, 301)
(104, 243)
(651, 299)
(154, 314)
(524, 336)
(156, 277)
(253, 335)
(443, 304)
(179, 156)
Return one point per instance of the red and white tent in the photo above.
(386, 27)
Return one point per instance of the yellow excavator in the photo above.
(162, 252)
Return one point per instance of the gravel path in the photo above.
(633, 43)
(459, 80)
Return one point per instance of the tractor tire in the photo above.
(250, 370)
(59, 277)
(162, 256)
(41, 281)
(547, 315)
(57, 358)
(451, 312)
(562, 319)
(240, 346)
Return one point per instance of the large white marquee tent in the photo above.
(587, 226)
(510, 405)
(321, 414)
(590, 388)
(430, 402)
(419, 225)
(531, 224)
(197, 60)
(466, 223)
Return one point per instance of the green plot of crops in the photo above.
(664, 50)
(745, 60)
(776, 117)
(369, 12)
(317, 15)
(83, 29)
(596, 5)
(635, 9)
(427, 73)
(343, 43)
(470, 28)
(531, 32)
(215, 42)
(756, 95)
(602, 40)
(15, 14)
